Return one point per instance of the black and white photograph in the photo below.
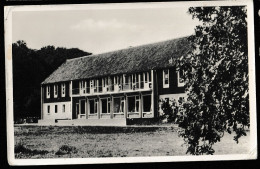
(130, 82)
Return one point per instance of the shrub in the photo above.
(172, 110)
(20, 148)
(65, 149)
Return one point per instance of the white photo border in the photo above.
(8, 10)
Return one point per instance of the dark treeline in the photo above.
(30, 68)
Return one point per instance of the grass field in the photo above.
(83, 142)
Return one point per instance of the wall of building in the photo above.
(60, 114)
(173, 83)
(172, 92)
(59, 97)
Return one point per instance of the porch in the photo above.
(119, 106)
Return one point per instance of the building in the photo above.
(115, 88)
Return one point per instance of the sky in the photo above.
(101, 30)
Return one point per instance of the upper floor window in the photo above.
(63, 90)
(48, 89)
(55, 91)
(166, 78)
(149, 76)
(180, 78)
(91, 83)
(82, 86)
(115, 79)
(145, 77)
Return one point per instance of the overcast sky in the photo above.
(101, 30)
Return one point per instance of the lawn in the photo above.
(45, 142)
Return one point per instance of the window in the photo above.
(126, 79)
(95, 85)
(87, 86)
(99, 85)
(63, 90)
(111, 82)
(93, 104)
(137, 78)
(116, 105)
(119, 105)
(96, 105)
(77, 108)
(56, 108)
(105, 105)
(120, 80)
(55, 91)
(115, 79)
(106, 79)
(150, 76)
(147, 103)
(91, 84)
(82, 86)
(48, 109)
(48, 91)
(137, 103)
(137, 81)
(122, 108)
(142, 80)
(166, 78)
(108, 105)
(133, 104)
(145, 77)
(180, 76)
(63, 108)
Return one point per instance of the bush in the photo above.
(20, 148)
(65, 149)
(172, 110)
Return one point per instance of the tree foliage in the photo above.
(216, 78)
(172, 110)
(30, 68)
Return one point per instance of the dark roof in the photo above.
(134, 59)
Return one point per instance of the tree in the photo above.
(30, 68)
(216, 78)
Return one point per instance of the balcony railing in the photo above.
(112, 88)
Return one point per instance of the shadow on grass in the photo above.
(20, 148)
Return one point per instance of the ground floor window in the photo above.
(133, 104)
(56, 108)
(105, 105)
(48, 109)
(77, 108)
(93, 106)
(63, 108)
(119, 105)
(147, 103)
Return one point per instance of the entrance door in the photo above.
(82, 109)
